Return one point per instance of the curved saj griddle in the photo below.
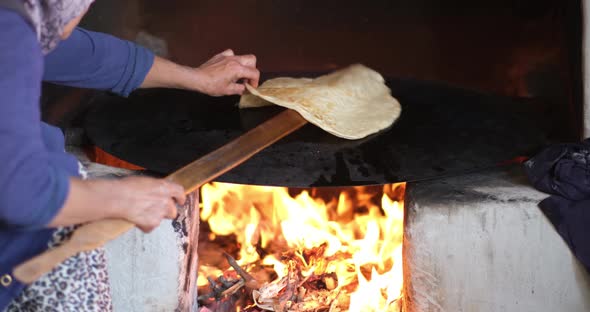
(442, 131)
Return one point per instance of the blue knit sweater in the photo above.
(34, 168)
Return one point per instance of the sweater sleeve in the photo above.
(98, 61)
(32, 190)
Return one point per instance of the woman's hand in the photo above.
(224, 73)
(146, 201)
(141, 200)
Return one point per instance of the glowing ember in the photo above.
(342, 251)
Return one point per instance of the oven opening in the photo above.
(265, 248)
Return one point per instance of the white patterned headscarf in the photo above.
(50, 16)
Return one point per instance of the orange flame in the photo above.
(360, 238)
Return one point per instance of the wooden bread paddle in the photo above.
(197, 173)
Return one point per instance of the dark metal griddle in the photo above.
(442, 131)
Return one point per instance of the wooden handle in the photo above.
(95, 234)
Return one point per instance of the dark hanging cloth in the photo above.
(563, 171)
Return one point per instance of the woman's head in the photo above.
(55, 20)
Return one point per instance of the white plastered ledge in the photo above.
(479, 243)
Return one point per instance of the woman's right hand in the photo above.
(146, 201)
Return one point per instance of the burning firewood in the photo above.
(249, 280)
(301, 253)
(222, 288)
(226, 287)
(302, 289)
(294, 292)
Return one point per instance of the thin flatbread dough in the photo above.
(350, 103)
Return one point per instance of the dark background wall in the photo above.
(519, 48)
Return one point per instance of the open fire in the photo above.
(320, 249)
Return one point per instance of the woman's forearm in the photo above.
(167, 74)
(141, 200)
(87, 201)
(221, 75)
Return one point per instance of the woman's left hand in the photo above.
(223, 74)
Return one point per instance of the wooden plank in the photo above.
(95, 234)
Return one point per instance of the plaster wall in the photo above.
(480, 243)
(148, 272)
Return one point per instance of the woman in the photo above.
(40, 187)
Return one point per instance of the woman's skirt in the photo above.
(80, 283)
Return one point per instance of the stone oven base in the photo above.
(479, 242)
(474, 242)
(157, 271)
